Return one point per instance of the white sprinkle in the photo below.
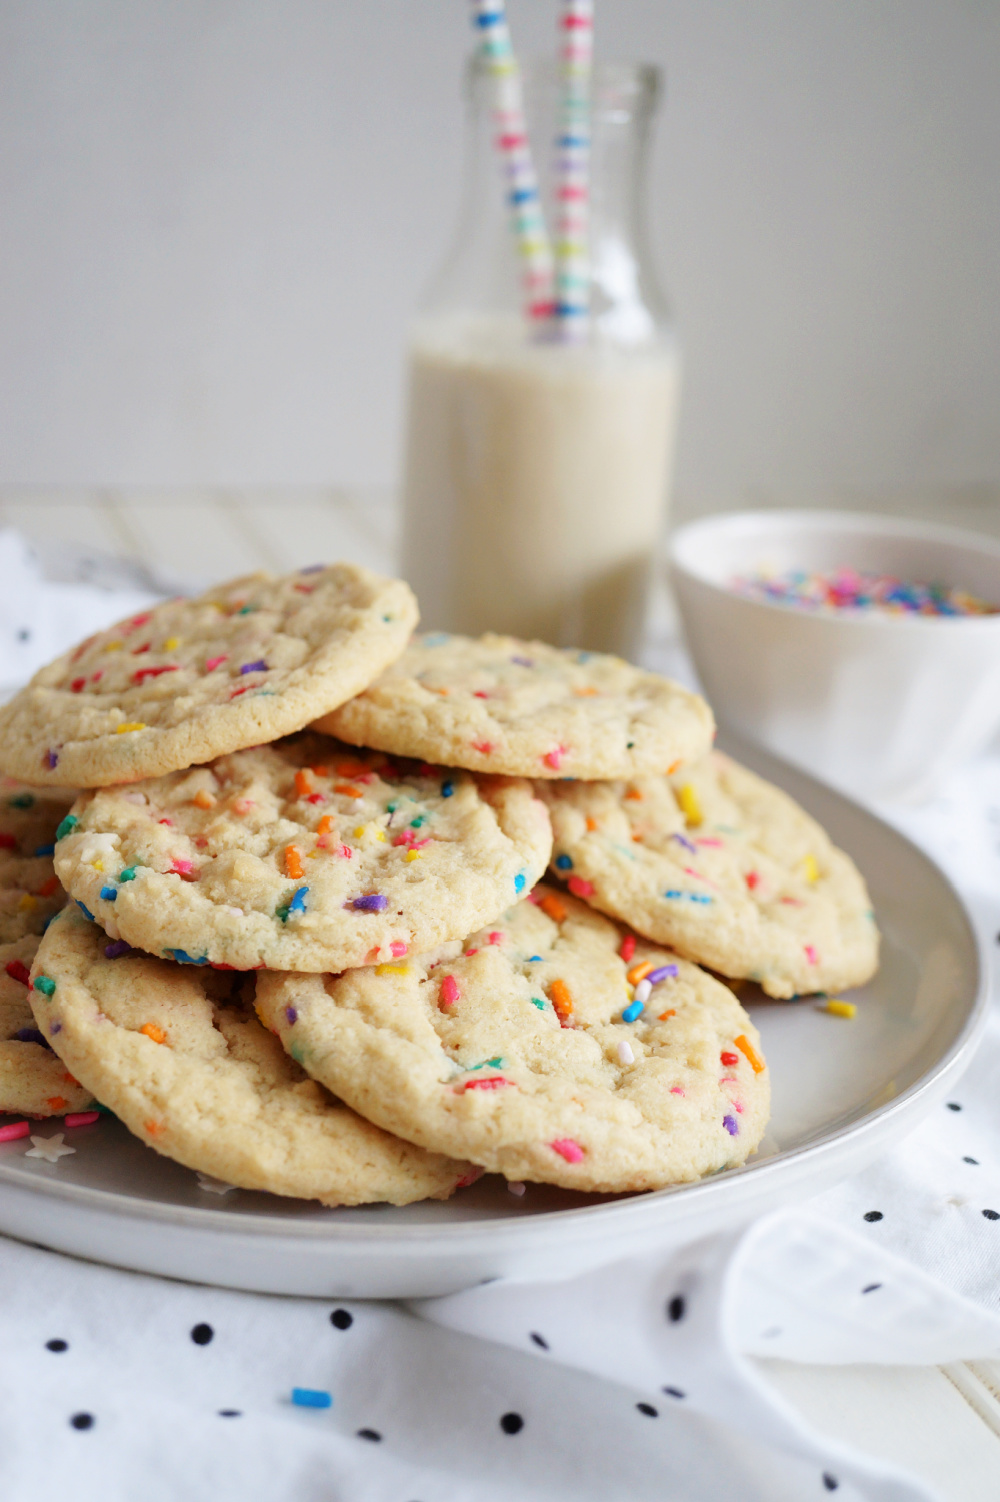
(517, 1189)
(625, 1054)
(642, 991)
(214, 1186)
(49, 1148)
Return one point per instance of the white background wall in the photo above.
(215, 216)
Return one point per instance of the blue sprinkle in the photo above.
(291, 1016)
(731, 1125)
(665, 972)
(109, 894)
(85, 911)
(30, 1035)
(523, 195)
(298, 902)
(183, 958)
(55, 1028)
(46, 850)
(50, 919)
(260, 666)
(373, 903)
(436, 639)
(311, 1397)
(563, 863)
(118, 948)
(633, 1010)
(533, 957)
(519, 881)
(447, 788)
(689, 896)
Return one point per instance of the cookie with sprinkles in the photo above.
(551, 1046)
(303, 855)
(182, 1060)
(29, 888)
(33, 1079)
(497, 704)
(251, 660)
(725, 868)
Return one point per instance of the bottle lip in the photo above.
(614, 85)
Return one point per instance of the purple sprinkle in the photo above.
(370, 904)
(313, 568)
(50, 758)
(30, 1035)
(290, 1012)
(686, 843)
(665, 972)
(119, 947)
(55, 1028)
(730, 1124)
(523, 662)
(260, 666)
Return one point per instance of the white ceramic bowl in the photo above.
(882, 705)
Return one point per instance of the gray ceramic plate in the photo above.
(843, 1091)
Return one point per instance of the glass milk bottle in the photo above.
(538, 464)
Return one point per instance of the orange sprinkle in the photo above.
(152, 1031)
(70, 1080)
(152, 1128)
(348, 790)
(551, 905)
(672, 768)
(325, 825)
(444, 692)
(303, 786)
(671, 1013)
(591, 825)
(320, 771)
(203, 799)
(634, 794)
(293, 863)
(562, 1001)
(351, 768)
(57, 1102)
(585, 693)
(637, 839)
(640, 971)
(747, 1049)
(48, 887)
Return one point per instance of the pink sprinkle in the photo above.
(811, 955)
(496, 937)
(738, 1106)
(554, 758)
(483, 747)
(81, 1118)
(397, 948)
(470, 951)
(479, 694)
(449, 991)
(715, 844)
(137, 621)
(346, 852)
(698, 877)
(491, 1082)
(579, 887)
(676, 1090)
(470, 1178)
(165, 821)
(182, 868)
(568, 1149)
(10, 1133)
(214, 662)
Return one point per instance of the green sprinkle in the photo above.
(248, 610)
(282, 912)
(70, 822)
(297, 1052)
(21, 800)
(539, 1004)
(486, 1064)
(45, 985)
(416, 823)
(128, 874)
(391, 808)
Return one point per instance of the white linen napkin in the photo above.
(628, 1382)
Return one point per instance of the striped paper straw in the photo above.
(531, 236)
(572, 174)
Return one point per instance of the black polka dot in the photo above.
(230, 1413)
(953, 1105)
(830, 1482)
(673, 1392)
(341, 1320)
(202, 1334)
(871, 1287)
(648, 1410)
(872, 1215)
(676, 1309)
(992, 1214)
(371, 1434)
(57, 1345)
(82, 1421)
(512, 1423)
(974, 1161)
(539, 1340)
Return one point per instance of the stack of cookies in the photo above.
(309, 948)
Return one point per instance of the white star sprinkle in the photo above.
(49, 1148)
(214, 1186)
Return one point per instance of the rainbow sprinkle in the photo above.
(859, 592)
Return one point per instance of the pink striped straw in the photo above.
(572, 174)
(527, 223)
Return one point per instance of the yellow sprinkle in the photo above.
(97, 865)
(690, 807)
(414, 855)
(810, 868)
(392, 969)
(27, 902)
(171, 644)
(129, 725)
(113, 646)
(840, 1008)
